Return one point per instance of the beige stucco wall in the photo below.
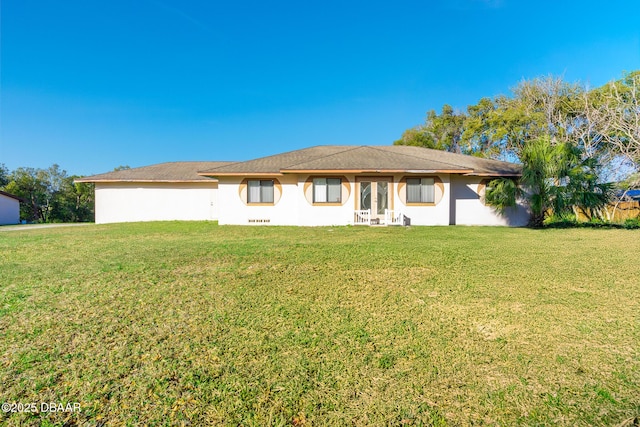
(295, 207)
(236, 211)
(131, 202)
(469, 208)
(437, 214)
(325, 214)
(9, 210)
(118, 203)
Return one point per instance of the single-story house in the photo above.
(9, 208)
(340, 185)
(322, 185)
(166, 191)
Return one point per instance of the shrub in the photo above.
(563, 220)
(631, 223)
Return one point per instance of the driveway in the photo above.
(37, 226)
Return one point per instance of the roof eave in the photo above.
(13, 196)
(213, 174)
(458, 171)
(98, 181)
(337, 171)
(408, 171)
(487, 174)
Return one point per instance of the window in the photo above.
(420, 190)
(260, 191)
(327, 190)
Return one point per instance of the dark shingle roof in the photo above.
(162, 172)
(395, 158)
(13, 196)
(273, 164)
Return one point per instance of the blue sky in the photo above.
(94, 84)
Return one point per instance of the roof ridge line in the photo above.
(217, 167)
(271, 155)
(354, 147)
(451, 153)
(407, 155)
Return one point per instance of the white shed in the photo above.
(9, 208)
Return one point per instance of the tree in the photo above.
(541, 107)
(622, 108)
(76, 201)
(501, 127)
(441, 132)
(4, 175)
(556, 179)
(597, 132)
(616, 108)
(51, 195)
(67, 201)
(54, 179)
(613, 114)
(578, 185)
(418, 137)
(27, 183)
(480, 134)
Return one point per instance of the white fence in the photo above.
(362, 217)
(392, 217)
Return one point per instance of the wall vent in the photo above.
(259, 221)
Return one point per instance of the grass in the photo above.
(195, 324)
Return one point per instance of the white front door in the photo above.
(375, 194)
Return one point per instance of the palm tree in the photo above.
(555, 180)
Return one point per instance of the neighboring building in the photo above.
(9, 208)
(341, 185)
(633, 195)
(166, 191)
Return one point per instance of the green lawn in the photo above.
(195, 324)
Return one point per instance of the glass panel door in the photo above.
(376, 195)
(383, 197)
(365, 195)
